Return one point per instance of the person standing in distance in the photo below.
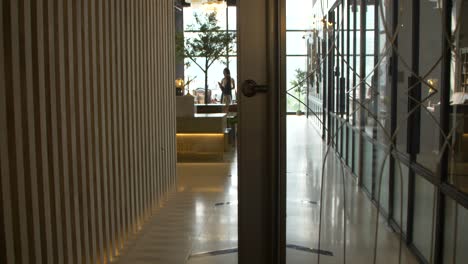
(227, 84)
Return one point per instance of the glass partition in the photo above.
(403, 84)
(405, 38)
(455, 241)
(423, 227)
(400, 195)
(430, 51)
(299, 35)
(458, 115)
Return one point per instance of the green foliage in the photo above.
(300, 82)
(210, 43)
(299, 86)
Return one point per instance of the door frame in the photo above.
(269, 244)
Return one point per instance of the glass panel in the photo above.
(369, 72)
(450, 233)
(343, 138)
(341, 129)
(315, 72)
(456, 228)
(400, 197)
(334, 134)
(332, 129)
(379, 94)
(371, 99)
(193, 71)
(357, 13)
(346, 65)
(381, 171)
(404, 61)
(215, 74)
(336, 42)
(189, 16)
(299, 14)
(382, 92)
(345, 142)
(337, 134)
(350, 147)
(190, 35)
(370, 16)
(353, 50)
(232, 18)
(345, 27)
(195, 35)
(357, 146)
(462, 238)
(295, 64)
(430, 68)
(423, 216)
(190, 13)
(370, 40)
(367, 165)
(296, 43)
(458, 151)
(357, 85)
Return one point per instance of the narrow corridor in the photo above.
(198, 224)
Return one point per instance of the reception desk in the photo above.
(201, 137)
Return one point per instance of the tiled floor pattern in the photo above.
(192, 223)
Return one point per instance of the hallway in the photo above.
(199, 222)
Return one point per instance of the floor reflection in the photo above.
(200, 220)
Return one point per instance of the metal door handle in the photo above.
(251, 88)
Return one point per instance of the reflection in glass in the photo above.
(405, 38)
(382, 166)
(367, 165)
(315, 70)
(430, 72)
(456, 228)
(350, 147)
(381, 82)
(357, 146)
(296, 42)
(400, 197)
(423, 216)
(458, 152)
(296, 66)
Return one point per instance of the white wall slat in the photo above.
(87, 118)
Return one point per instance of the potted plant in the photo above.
(211, 44)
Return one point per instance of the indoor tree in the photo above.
(211, 43)
(299, 86)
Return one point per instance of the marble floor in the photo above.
(198, 224)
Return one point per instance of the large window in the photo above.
(299, 37)
(227, 22)
(404, 128)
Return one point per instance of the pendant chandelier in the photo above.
(207, 5)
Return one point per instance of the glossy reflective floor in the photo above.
(201, 217)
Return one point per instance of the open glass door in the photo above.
(246, 224)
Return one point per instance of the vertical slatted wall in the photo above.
(87, 125)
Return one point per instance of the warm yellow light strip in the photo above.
(200, 135)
